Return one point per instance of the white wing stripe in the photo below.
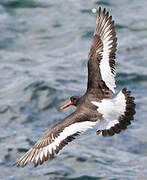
(45, 151)
(106, 42)
(68, 131)
(33, 157)
(31, 154)
(107, 34)
(41, 154)
(105, 29)
(37, 157)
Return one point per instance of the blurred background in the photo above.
(43, 61)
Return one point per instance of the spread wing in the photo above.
(117, 113)
(101, 58)
(56, 138)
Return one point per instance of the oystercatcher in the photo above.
(96, 106)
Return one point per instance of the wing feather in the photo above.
(102, 51)
(117, 113)
(55, 139)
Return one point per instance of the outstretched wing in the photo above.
(101, 58)
(117, 113)
(56, 138)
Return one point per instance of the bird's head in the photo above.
(74, 100)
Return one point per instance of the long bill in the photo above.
(66, 105)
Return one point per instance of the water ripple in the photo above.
(22, 4)
(43, 51)
(124, 78)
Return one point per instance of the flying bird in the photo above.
(96, 107)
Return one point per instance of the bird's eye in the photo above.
(73, 99)
(106, 93)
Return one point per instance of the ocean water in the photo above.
(43, 61)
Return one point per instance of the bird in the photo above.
(99, 106)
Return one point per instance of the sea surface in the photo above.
(43, 61)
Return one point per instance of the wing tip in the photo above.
(16, 164)
(19, 164)
(39, 156)
(103, 11)
(99, 10)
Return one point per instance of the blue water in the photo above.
(43, 61)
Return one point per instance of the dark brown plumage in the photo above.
(96, 106)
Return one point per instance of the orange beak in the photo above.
(66, 105)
